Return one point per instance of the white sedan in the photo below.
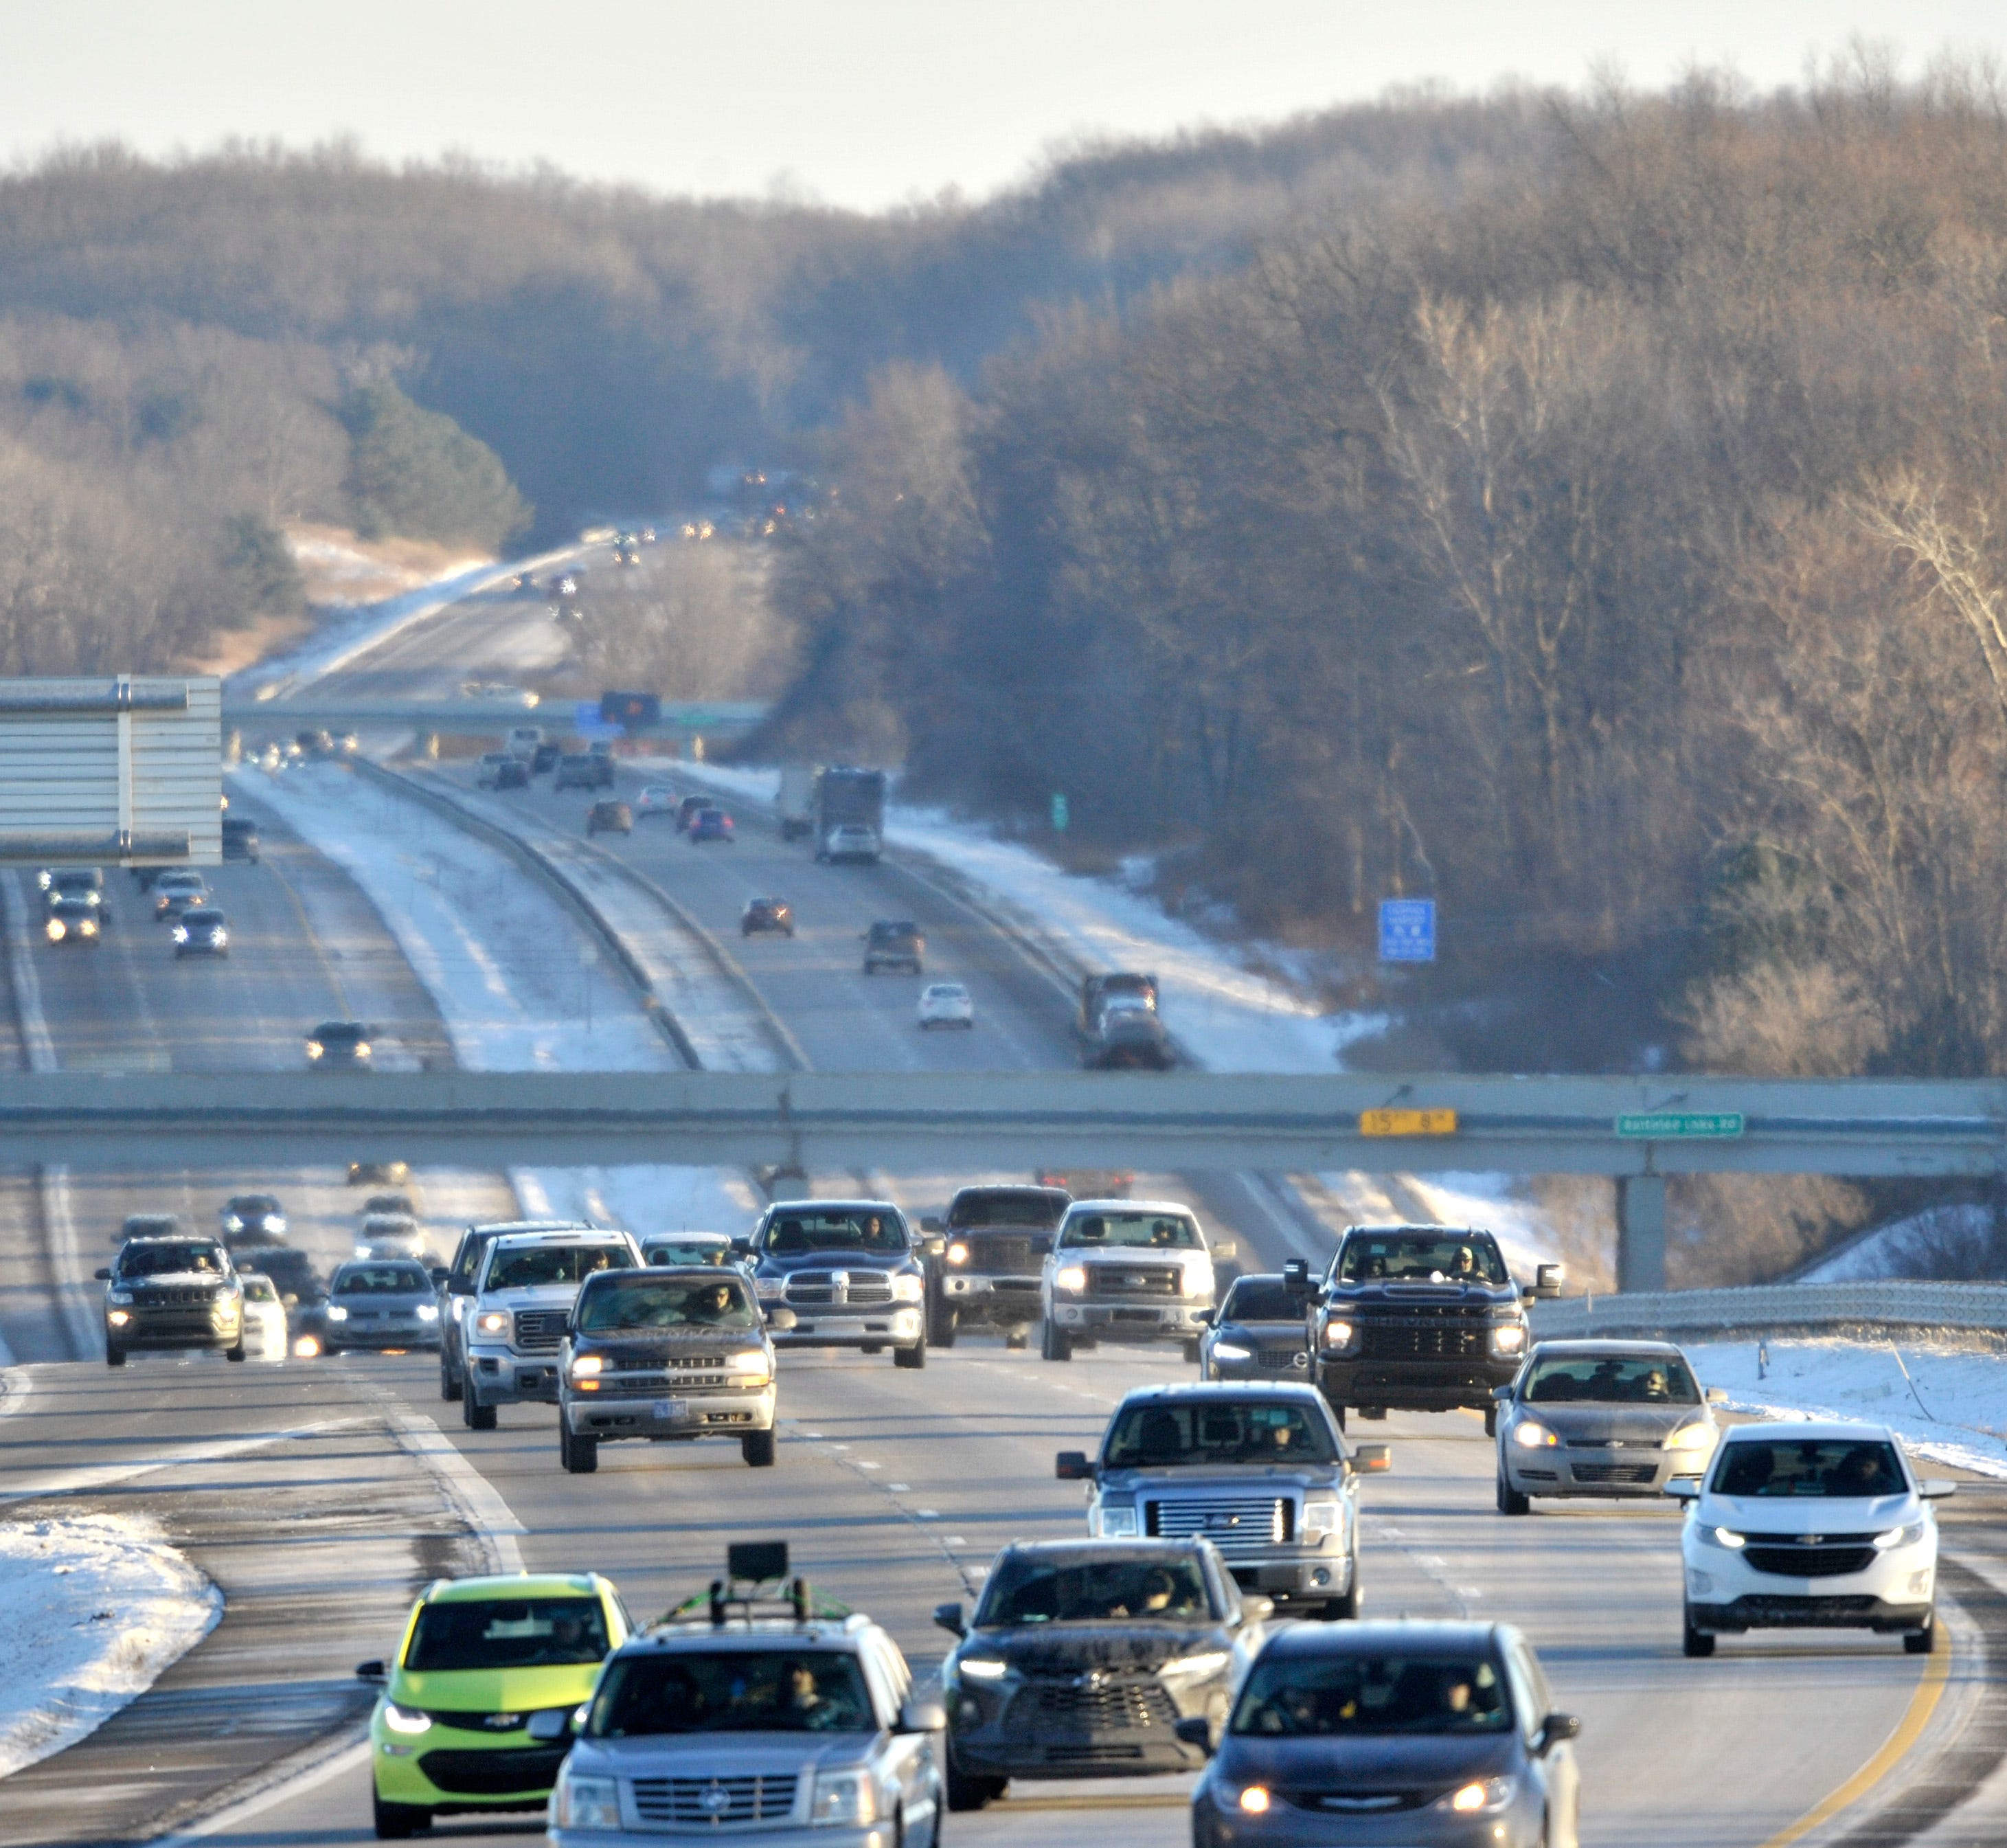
(264, 1319)
(945, 1004)
(657, 800)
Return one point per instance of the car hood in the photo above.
(1267, 1335)
(1068, 1648)
(1617, 1424)
(396, 1303)
(1103, 1257)
(638, 1347)
(832, 1260)
(541, 1296)
(1809, 1514)
(173, 1280)
(720, 1755)
(1361, 1766)
(1362, 1294)
(1245, 1479)
(494, 1690)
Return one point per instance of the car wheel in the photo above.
(942, 1326)
(478, 1417)
(579, 1455)
(235, 1353)
(1695, 1642)
(1491, 1421)
(396, 1821)
(1510, 1500)
(115, 1357)
(966, 1792)
(1338, 1414)
(1924, 1642)
(1055, 1343)
(911, 1358)
(757, 1448)
(448, 1386)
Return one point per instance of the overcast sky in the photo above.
(858, 102)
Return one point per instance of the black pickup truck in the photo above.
(1416, 1318)
(995, 1241)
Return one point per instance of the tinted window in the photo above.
(337, 1034)
(1780, 1467)
(1220, 1431)
(1028, 1206)
(731, 1691)
(508, 1632)
(1452, 1257)
(1167, 1231)
(472, 1250)
(1260, 1299)
(253, 1203)
(1610, 1379)
(380, 1280)
(795, 1233)
(1027, 1589)
(538, 1264)
(639, 1301)
(674, 1253)
(161, 1260)
(1333, 1696)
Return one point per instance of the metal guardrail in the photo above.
(1884, 1303)
(472, 717)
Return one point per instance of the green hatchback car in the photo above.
(450, 1732)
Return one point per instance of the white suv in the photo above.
(522, 1298)
(1128, 1270)
(1809, 1526)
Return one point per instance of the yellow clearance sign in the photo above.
(1407, 1122)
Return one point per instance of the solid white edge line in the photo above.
(479, 1503)
(347, 1753)
(66, 1261)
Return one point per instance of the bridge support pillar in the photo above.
(1640, 1231)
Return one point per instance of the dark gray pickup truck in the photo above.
(995, 1239)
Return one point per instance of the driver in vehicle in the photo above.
(711, 1308)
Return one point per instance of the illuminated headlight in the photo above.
(770, 1289)
(1530, 1434)
(1204, 1661)
(306, 1347)
(428, 1312)
(1073, 1279)
(1508, 1337)
(1198, 1280)
(1724, 1537)
(117, 1317)
(1338, 1335)
(982, 1668)
(1254, 1800)
(1231, 1351)
(1117, 1523)
(314, 1049)
(587, 1366)
(124, 1296)
(847, 1797)
(57, 932)
(406, 1719)
(337, 1313)
(361, 1048)
(231, 1223)
(1898, 1536)
(219, 935)
(1322, 1516)
(493, 1321)
(45, 879)
(181, 933)
(1699, 1436)
(752, 1364)
(86, 928)
(957, 1253)
(1484, 1798)
(276, 1224)
(908, 1289)
(586, 1803)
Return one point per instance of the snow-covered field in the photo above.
(96, 1607)
(1949, 1241)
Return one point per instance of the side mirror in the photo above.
(782, 1319)
(1204, 1318)
(372, 1671)
(1371, 1459)
(933, 1245)
(1717, 1395)
(923, 1716)
(1937, 1487)
(949, 1618)
(103, 1277)
(1073, 1466)
(1297, 1279)
(742, 1248)
(1501, 1393)
(441, 1275)
(1557, 1727)
(1546, 1279)
(1683, 1488)
(551, 1725)
(930, 1222)
(1227, 1248)
(1195, 1729)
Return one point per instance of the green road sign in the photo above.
(1669, 1126)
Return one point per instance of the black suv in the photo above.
(995, 1239)
(895, 943)
(172, 1293)
(455, 1283)
(1416, 1318)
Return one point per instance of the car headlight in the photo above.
(584, 1366)
(361, 1048)
(1201, 1662)
(117, 1317)
(1338, 1335)
(1485, 1797)
(494, 1321)
(231, 1223)
(908, 1289)
(587, 1802)
(406, 1719)
(56, 931)
(1198, 1280)
(1072, 1279)
(1898, 1536)
(314, 1049)
(844, 1796)
(770, 1289)
(1508, 1337)
(181, 933)
(219, 935)
(1724, 1537)
(1117, 1522)
(87, 929)
(277, 1223)
(982, 1668)
(1530, 1434)
(752, 1364)
(957, 1253)
(1699, 1436)
(1254, 1800)
(337, 1313)
(1323, 1515)
(1231, 1351)
(118, 1296)
(306, 1347)
(428, 1312)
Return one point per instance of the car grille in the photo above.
(1005, 1254)
(1812, 1612)
(1236, 1526)
(862, 1288)
(1614, 1473)
(541, 1331)
(1280, 1360)
(1356, 1802)
(1138, 1279)
(714, 1799)
(1836, 1554)
(1423, 1331)
(1104, 1706)
(173, 1297)
(500, 1773)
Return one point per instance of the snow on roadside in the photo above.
(97, 1607)
(1946, 1241)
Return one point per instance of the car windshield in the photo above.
(1028, 1589)
(1324, 1696)
(1410, 1257)
(841, 1229)
(243, 1204)
(380, 1280)
(1167, 1231)
(1260, 1299)
(1832, 1466)
(893, 933)
(508, 1632)
(164, 1260)
(1201, 1431)
(692, 1253)
(1610, 1379)
(1024, 1206)
(335, 1032)
(537, 1264)
(72, 908)
(645, 1301)
(731, 1691)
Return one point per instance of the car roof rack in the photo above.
(757, 1584)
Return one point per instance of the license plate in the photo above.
(674, 1411)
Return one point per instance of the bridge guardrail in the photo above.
(1896, 1302)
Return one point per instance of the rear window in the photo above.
(508, 1632)
(731, 1691)
(1020, 1206)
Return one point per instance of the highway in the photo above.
(319, 1494)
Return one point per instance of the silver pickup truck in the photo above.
(522, 1298)
(1130, 1271)
(1262, 1471)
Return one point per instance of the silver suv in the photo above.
(1128, 1270)
(523, 1295)
(772, 1719)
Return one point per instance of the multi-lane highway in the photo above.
(319, 1494)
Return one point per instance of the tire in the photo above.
(911, 1358)
(115, 1357)
(1054, 1342)
(1699, 1642)
(966, 1792)
(579, 1455)
(1924, 1642)
(1491, 1421)
(397, 1822)
(943, 1326)
(1338, 1413)
(449, 1388)
(1346, 1610)
(477, 1416)
(236, 1353)
(1510, 1500)
(757, 1448)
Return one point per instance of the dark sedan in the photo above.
(202, 933)
(609, 817)
(763, 915)
(1256, 1333)
(711, 824)
(249, 1219)
(340, 1046)
(72, 921)
(1390, 1733)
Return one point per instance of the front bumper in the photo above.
(1215, 1825)
(1006, 1301)
(446, 1770)
(668, 1413)
(1169, 1319)
(1425, 1385)
(1567, 1470)
(798, 1835)
(890, 1325)
(1023, 1728)
(402, 1332)
(1724, 1593)
(149, 1329)
(507, 1378)
(1296, 1576)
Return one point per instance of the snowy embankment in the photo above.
(1949, 1241)
(518, 987)
(97, 1607)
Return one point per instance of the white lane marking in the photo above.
(66, 1261)
(35, 1039)
(349, 1753)
(479, 1502)
(99, 1476)
(15, 1384)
